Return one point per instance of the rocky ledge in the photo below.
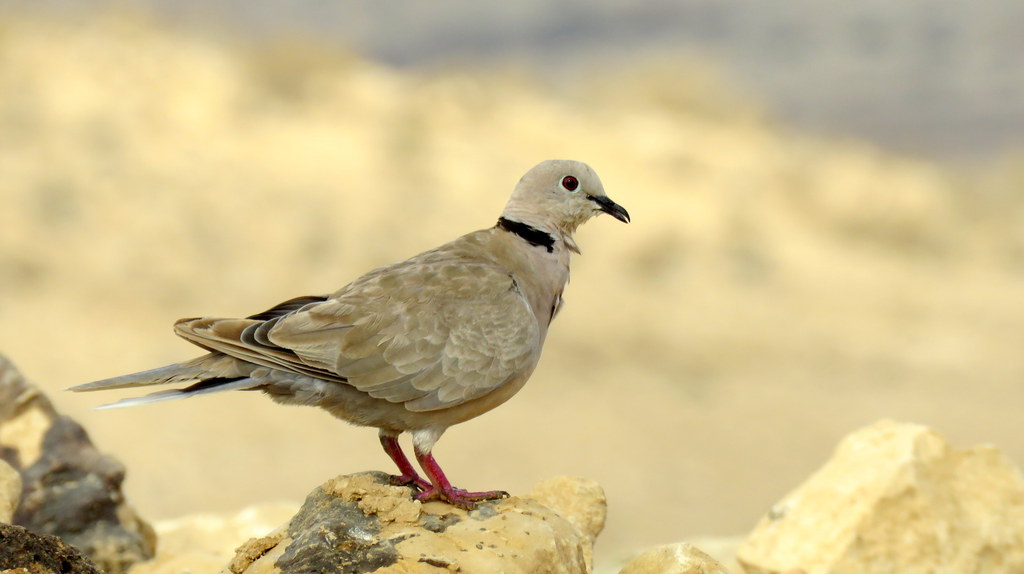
(361, 523)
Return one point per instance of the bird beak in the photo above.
(610, 207)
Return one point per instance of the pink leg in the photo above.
(441, 489)
(409, 475)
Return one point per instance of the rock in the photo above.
(581, 501)
(897, 498)
(679, 558)
(74, 492)
(206, 542)
(360, 523)
(70, 489)
(721, 548)
(25, 415)
(10, 491)
(26, 552)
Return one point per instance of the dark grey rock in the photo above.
(332, 535)
(70, 489)
(40, 554)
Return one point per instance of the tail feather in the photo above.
(170, 374)
(212, 366)
(201, 388)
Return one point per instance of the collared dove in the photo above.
(416, 346)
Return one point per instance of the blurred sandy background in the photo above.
(778, 287)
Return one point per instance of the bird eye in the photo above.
(570, 183)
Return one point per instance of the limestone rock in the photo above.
(70, 489)
(897, 498)
(205, 542)
(721, 548)
(25, 415)
(10, 491)
(581, 501)
(679, 558)
(360, 523)
(26, 552)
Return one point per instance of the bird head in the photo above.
(560, 195)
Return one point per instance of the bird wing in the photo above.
(432, 332)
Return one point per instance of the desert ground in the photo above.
(774, 291)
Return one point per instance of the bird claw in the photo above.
(458, 497)
(415, 482)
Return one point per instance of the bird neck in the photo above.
(532, 235)
(536, 235)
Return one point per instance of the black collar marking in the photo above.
(532, 235)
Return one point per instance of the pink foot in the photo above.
(458, 497)
(416, 481)
(441, 489)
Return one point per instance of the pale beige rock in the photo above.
(25, 415)
(679, 558)
(721, 548)
(205, 542)
(10, 491)
(362, 523)
(897, 498)
(384, 501)
(581, 501)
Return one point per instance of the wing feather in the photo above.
(431, 335)
(431, 332)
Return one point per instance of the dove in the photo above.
(415, 346)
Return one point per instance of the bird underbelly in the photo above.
(359, 408)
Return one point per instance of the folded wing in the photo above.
(431, 334)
